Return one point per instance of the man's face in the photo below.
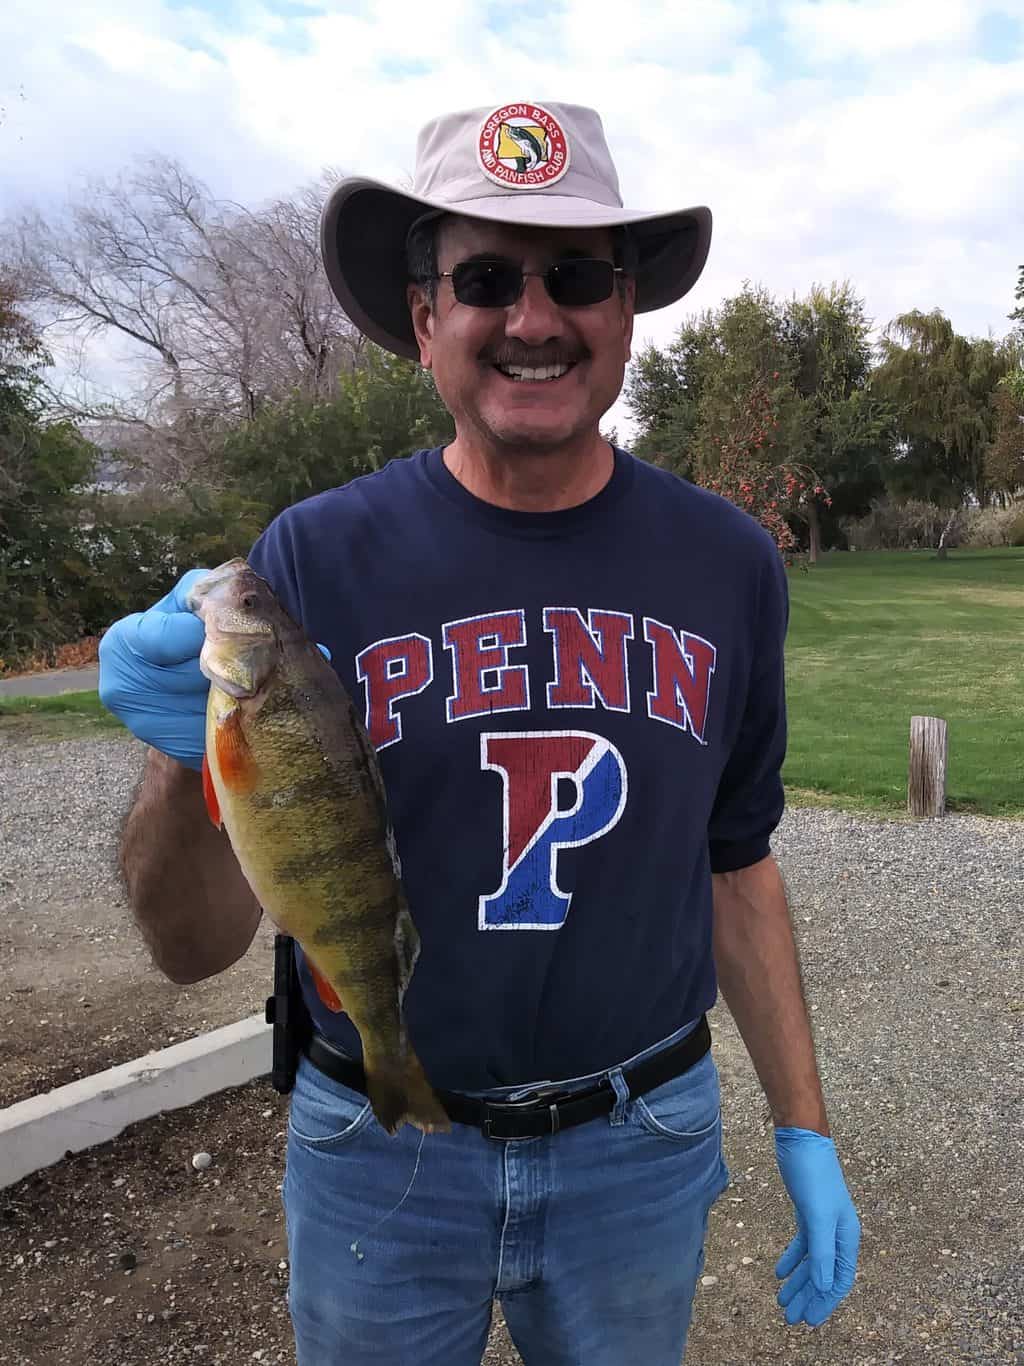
(469, 349)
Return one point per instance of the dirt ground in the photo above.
(124, 1255)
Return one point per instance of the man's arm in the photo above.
(192, 903)
(759, 975)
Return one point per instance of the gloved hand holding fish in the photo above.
(291, 775)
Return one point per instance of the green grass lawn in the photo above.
(67, 715)
(877, 638)
(874, 639)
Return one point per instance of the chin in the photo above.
(534, 437)
(535, 444)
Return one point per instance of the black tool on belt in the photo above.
(543, 1113)
(286, 1010)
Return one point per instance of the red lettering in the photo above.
(682, 677)
(391, 669)
(533, 765)
(590, 659)
(483, 680)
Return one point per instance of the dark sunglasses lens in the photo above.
(487, 284)
(574, 284)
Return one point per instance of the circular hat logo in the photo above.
(522, 147)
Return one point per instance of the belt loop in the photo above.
(618, 1085)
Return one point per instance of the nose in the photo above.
(534, 317)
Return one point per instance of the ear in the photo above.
(422, 315)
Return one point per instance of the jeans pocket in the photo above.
(324, 1114)
(686, 1109)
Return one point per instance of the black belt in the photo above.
(533, 1118)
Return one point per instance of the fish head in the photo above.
(244, 626)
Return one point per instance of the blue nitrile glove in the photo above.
(150, 677)
(823, 1256)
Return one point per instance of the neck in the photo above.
(527, 481)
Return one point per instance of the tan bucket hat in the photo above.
(542, 165)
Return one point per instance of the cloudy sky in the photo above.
(878, 141)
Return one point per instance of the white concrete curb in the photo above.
(39, 1131)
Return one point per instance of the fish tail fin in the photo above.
(399, 1092)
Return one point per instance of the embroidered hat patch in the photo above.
(523, 147)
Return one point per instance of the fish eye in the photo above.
(249, 600)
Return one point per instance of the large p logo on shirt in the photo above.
(562, 789)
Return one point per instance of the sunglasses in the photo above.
(498, 284)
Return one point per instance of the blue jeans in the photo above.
(591, 1239)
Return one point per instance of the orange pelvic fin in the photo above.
(238, 768)
(324, 990)
(209, 792)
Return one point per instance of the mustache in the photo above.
(535, 358)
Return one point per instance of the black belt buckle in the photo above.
(537, 1106)
(510, 1108)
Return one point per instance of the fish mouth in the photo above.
(202, 588)
(260, 630)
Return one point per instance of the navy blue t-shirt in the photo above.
(579, 715)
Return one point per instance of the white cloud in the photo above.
(871, 141)
(686, 37)
(835, 30)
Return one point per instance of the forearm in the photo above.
(759, 976)
(189, 898)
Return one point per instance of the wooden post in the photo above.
(926, 788)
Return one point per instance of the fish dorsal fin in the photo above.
(407, 949)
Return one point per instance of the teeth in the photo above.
(523, 372)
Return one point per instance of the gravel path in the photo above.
(911, 939)
(73, 967)
(912, 943)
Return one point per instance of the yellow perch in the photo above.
(291, 774)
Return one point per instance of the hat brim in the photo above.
(364, 225)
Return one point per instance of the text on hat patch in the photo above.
(522, 147)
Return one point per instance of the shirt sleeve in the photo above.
(750, 799)
(273, 558)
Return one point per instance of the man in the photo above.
(571, 665)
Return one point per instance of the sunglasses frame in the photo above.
(525, 275)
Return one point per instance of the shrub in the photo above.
(992, 526)
(895, 525)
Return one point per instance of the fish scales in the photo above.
(336, 890)
(298, 788)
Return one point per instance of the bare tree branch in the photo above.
(230, 304)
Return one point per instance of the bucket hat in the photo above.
(538, 165)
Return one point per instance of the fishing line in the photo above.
(354, 1247)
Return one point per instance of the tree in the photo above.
(21, 360)
(748, 474)
(941, 386)
(663, 392)
(1018, 313)
(685, 398)
(1004, 460)
(42, 464)
(228, 308)
(846, 429)
(807, 362)
(297, 448)
(395, 405)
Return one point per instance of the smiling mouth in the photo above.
(529, 374)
